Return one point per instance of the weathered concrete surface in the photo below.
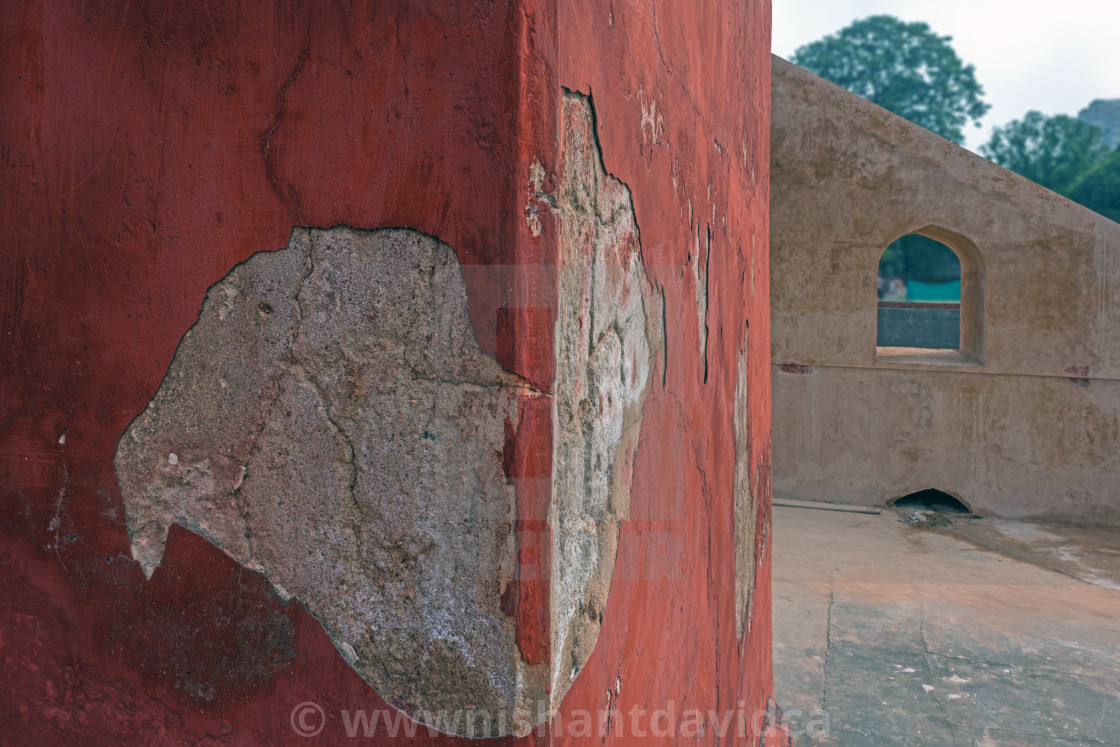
(1089, 554)
(1025, 420)
(889, 634)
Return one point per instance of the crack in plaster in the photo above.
(700, 280)
(269, 166)
(827, 644)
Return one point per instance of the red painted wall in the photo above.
(682, 97)
(149, 147)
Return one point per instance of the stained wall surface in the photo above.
(1025, 420)
(682, 106)
(155, 151)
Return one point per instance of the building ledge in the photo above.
(924, 356)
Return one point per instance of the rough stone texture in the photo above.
(331, 421)
(603, 364)
(1025, 420)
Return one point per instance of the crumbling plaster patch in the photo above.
(338, 428)
(604, 347)
(700, 279)
(746, 501)
(331, 421)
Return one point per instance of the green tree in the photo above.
(904, 68)
(1099, 188)
(916, 257)
(1052, 151)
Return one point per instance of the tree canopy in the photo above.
(916, 257)
(903, 67)
(1052, 151)
(1099, 188)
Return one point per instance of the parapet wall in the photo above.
(1025, 420)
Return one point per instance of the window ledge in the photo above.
(925, 356)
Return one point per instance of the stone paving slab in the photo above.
(890, 634)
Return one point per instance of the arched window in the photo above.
(931, 297)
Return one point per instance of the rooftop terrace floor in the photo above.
(983, 632)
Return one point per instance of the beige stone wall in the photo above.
(1026, 421)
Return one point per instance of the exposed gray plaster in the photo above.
(332, 422)
(700, 279)
(604, 340)
(746, 502)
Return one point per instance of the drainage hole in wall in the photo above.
(930, 508)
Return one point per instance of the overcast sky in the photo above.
(1054, 57)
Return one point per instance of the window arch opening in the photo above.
(931, 299)
(919, 289)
